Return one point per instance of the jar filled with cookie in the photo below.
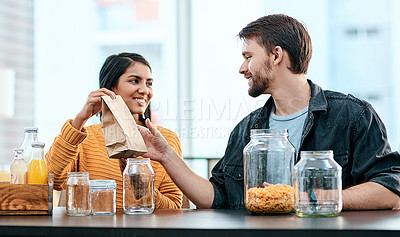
(268, 165)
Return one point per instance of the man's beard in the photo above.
(260, 82)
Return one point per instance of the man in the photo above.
(277, 51)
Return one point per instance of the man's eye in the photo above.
(134, 81)
(248, 57)
(149, 83)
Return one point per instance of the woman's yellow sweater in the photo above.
(85, 151)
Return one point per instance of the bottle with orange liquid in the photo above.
(37, 171)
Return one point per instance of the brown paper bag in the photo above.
(123, 139)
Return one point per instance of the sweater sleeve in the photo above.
(63, 155)
(168, 194)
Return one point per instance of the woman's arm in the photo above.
(63, 154)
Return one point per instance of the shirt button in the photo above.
(256, 125)
(240, 175)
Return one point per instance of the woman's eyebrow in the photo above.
(135, 76)
(139, 77)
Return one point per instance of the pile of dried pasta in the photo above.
(271, 199)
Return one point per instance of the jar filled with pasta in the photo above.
(268, 165)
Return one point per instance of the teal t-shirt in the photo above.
(294, 123)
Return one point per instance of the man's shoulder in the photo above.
(335, 98)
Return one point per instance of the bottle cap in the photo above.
(38, 144)
(31, 129)
(21, 150)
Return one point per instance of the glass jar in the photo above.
(78, 201)
(31, 135)
(102, 197)
(318, 185)
(268, 165)
(37, 170)
(138, 194)
(19, 168)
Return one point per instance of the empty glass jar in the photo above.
(268, 165)
(138, 197)
(102, 196)
(78, 201)
(318, 185)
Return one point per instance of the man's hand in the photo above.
(157, 146)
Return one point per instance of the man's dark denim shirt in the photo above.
(335, 121)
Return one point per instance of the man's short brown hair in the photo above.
(286, 32)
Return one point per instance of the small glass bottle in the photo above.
(102, 197)
(138, 181)
(318, 185)
(37, 171)
(78, 200)
(268, 165)
(19, 168)
(30, 137)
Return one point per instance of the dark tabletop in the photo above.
(204, 223)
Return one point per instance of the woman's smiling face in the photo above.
(135, 88)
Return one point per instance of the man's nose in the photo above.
(243, 68)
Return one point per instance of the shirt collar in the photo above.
(317, 102)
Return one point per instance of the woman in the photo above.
(79, 148)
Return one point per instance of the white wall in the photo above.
(71, 45)
(220, 99)
(65, 62)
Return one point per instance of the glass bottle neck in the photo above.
(37, 153)
(19, 154)
(29, 138)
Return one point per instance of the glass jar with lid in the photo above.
(268, 165)
(78, 201)
(318, 185)
(138, 182)
(102, 196)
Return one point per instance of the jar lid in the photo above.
(317, 154)
(138, 160)
(268, 132)
(102, 184)
(78, 174)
